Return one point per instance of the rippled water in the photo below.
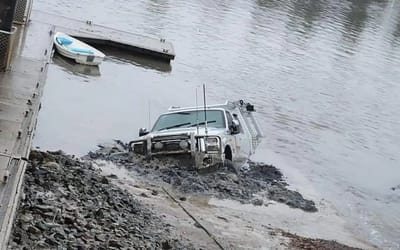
(323, 75)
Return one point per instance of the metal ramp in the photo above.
(247, 111)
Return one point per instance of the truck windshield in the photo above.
(215, 118)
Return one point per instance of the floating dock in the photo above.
(21, 88)
(94, 34)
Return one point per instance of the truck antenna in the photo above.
(205, 109)
(149, 116)
(197, 114)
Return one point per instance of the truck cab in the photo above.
(212, 135)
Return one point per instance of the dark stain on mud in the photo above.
(246, 186)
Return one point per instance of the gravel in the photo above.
(68, 204)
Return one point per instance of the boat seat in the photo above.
(63, 41)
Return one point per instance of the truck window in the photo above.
(184, 119)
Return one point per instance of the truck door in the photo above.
(242, 147)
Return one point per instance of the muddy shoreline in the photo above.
(69, 203)
(256, 183)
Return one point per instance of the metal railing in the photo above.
(22, 11)
(6, 46)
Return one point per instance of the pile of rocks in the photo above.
(68, 204)
(247, 186)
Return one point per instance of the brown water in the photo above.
(322, 74)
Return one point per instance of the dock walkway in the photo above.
(20, 91)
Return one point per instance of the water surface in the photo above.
(322, 74)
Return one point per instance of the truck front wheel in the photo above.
(228, 153)
(228, 164)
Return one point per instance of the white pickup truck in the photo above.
(213, 135)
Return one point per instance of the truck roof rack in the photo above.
(177, 108)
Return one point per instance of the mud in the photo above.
(68, 204)
(256, 184)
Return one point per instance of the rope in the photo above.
(194, 219)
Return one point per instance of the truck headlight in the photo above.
(183, 144)
(212, 144)
(158, 145)
(138, 148)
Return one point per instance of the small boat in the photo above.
(77, 50)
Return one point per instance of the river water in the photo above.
(322, 74)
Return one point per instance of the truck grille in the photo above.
(171, 138)
(168, 147)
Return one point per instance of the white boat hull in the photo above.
(81, 55)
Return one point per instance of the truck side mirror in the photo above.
(143, 131)
(235, 127)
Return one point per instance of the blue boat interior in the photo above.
(65, 41)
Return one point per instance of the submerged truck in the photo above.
(213, 135)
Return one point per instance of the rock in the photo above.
(60, 236)
(51, 225)
(51, 241)
(68, 219)
(144, 195)
(104, 180)
(233, 177)
(33, 230)
(257, 202)
(40, 225)
(26, 218)
(222, 218)
(44, 208)
(154, 192)
(101, 237)
(51, 165)
(182, 198)
(115, 243)
(165, 245)
(99, 214)
(112, 176)
(25, 226)
(196, 224)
